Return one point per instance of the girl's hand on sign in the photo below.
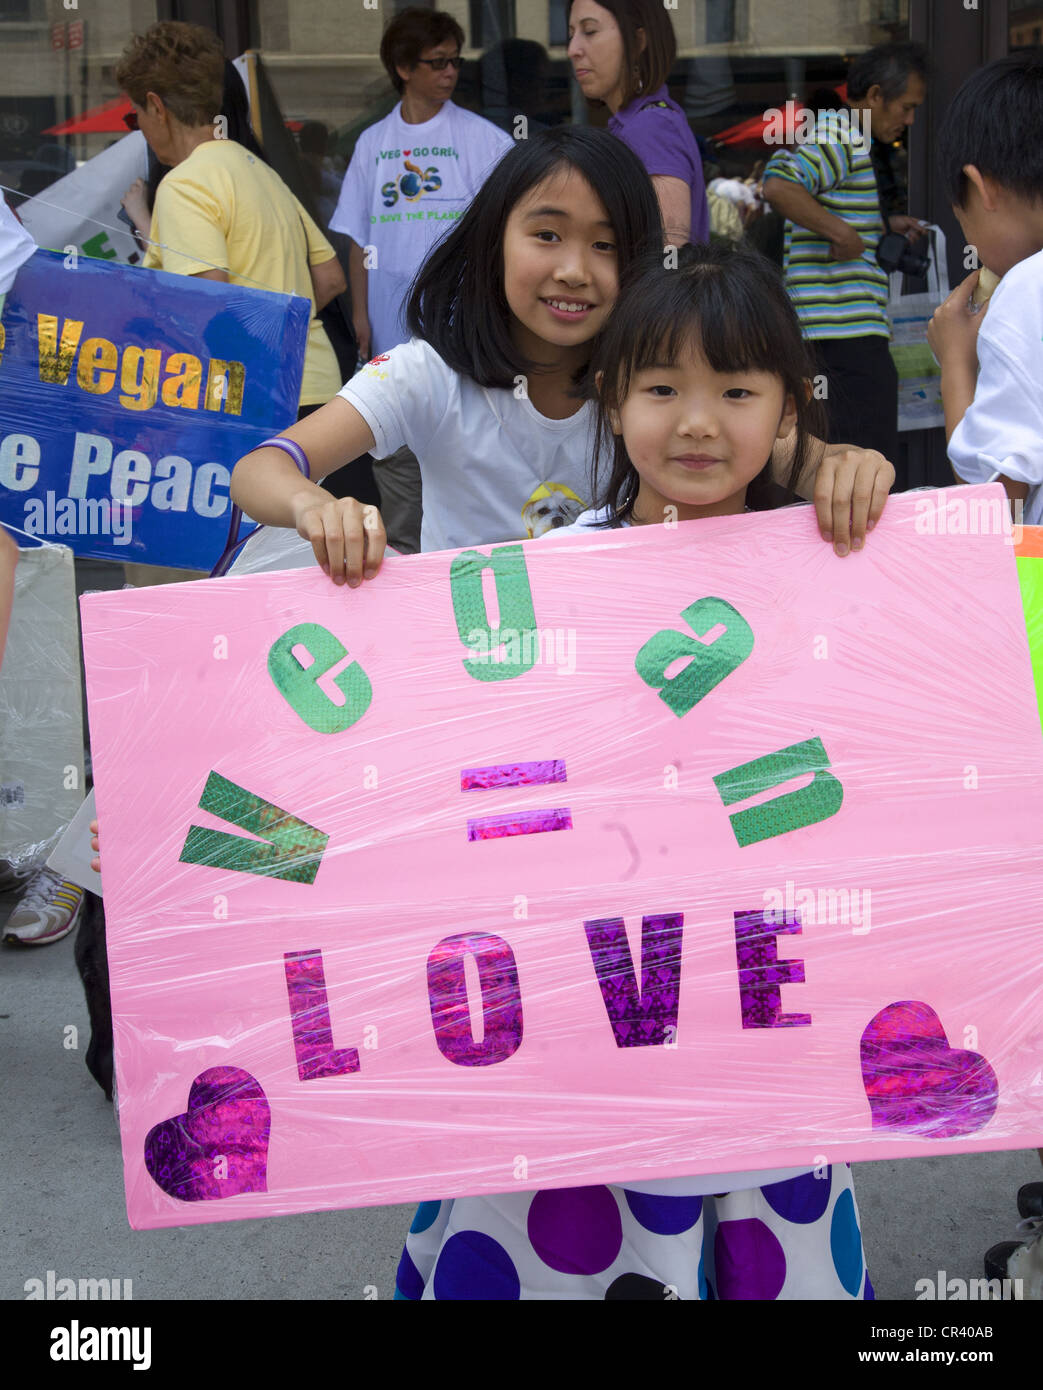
(95, 862)
(851, 487)
(347, 537)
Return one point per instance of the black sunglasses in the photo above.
(440, 64)
(130, 120)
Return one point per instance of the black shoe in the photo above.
(996, 1259)
(1030, 1200)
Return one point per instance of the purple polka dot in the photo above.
(408, 1281)
(576, 1230)
(803, 1199)
(750, 1262)
(665, 1216)
(474, 1266)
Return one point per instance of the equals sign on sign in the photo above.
(477, 779)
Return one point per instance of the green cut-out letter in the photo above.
(792, 811)
(711, 661)
(292, 848)
(517, 616)
(304, 688)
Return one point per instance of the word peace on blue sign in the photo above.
(126, 397)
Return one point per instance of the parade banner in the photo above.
(647, 853)
(126, 398)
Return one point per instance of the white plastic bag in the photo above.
(919, 376)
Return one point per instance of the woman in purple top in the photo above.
(622, 52)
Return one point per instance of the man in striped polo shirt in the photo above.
(826, 189)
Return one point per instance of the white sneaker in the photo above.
(49, 909)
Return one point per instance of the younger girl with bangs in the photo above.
(489, 392)
(701, 369)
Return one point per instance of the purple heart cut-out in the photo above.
(219, 1146)
(916, 1082)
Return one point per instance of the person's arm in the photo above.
(347, 538)
(675, 207)
(799, 206)
(327, 281)
(8, 561)
(221, 276)
(952, 336)
(135, 205)
(359, 299)
(849, 487)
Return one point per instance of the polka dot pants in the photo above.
(798, 1239)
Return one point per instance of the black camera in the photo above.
(896, 252)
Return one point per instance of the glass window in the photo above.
(55, 81)
(1026, 24)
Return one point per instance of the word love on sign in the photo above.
(607, 858)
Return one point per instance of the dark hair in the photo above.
(995, 122)
(458, 301)
(648, 69)
(731, 304)
(889, 66)
(409, 33)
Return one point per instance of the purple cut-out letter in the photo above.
(310, 1020)
(500, 999)
(645, 1018)
(761, 973)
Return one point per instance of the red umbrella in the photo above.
(751, 131)
(106, 119)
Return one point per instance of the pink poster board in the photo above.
(762, 893)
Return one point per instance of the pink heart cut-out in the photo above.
(219, 1146)
(916, 1082)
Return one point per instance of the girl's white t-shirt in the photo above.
(493, 468)
(707, 1183)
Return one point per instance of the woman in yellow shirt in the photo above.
(221, 213)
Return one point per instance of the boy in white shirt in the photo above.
(410, 177)
(992, 358)
(991, 154)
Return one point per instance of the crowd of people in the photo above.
(565, 349)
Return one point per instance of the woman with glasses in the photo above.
(411, 176)
(621, 53)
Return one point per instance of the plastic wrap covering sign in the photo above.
(608, 858)
(126, 397)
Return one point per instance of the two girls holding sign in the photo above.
(702, 374)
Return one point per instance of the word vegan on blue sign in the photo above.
(126, 397)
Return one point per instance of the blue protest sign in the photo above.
(126, 397)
